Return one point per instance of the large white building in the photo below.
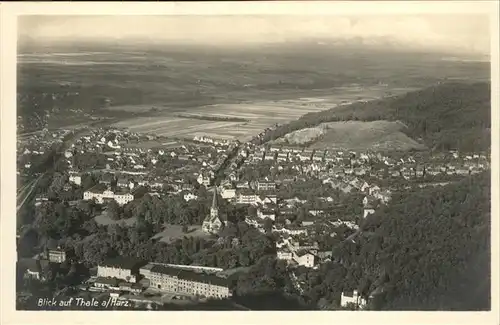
(120, 268)
(101, 192)
(185, 281)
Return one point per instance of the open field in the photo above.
(260, 115)
(356, 135)
(173, 232)
(104, 220)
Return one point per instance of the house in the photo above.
(122, 182)
(325, 255)
(318, 155)
(269, 155)
(367, 211)
(291, 230)
(56, 255)
(265, 186)
(190, 196)
(75, 179)
(227, 193)
(282, 156)
(266, 213)
(369, 201)
(305, 259)
(246, 197)
(108, 283)
(268, 199)
(284, 254)
(120, 268)
(106, 179)
(204, 180)
(352, 298)
(36, 269)
(243, 185)
(134, 288)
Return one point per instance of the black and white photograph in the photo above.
(252, 162)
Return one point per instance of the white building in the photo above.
(101, 193)
(189, 196)
(228, 193)
(120, 268)
(75, 179)
(352, 298)
(367, 212)
(306, 259)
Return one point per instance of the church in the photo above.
(212, 223)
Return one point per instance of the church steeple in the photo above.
(212, 222)
(214, 211)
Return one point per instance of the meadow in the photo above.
(173, 232)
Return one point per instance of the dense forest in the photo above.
(444, 117)
(428, 250)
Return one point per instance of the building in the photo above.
(247, 197)
(352, 298)
(204, 180)
(120, 268)
(305, 259)
(35, 269)
(212, 223)
(106, 179)
(266, 213)
(185, 281)
(122, 182)
(190, 196)
(284, 254)
(56, 255)
(101, 193)
(265, 186)
(107, 283)
(75, 179)
(228, 193)
(367, 211)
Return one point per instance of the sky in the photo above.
(448, 33)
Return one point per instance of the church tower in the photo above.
(212, 222)
(214, 210)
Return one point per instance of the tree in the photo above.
(113, 210)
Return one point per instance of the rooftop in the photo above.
(190, 275)
(123, 263)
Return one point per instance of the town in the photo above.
(305, 200)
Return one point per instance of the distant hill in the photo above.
(443, 117)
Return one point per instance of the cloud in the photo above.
(465, 32)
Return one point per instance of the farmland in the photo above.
(259, 115)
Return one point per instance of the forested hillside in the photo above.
(428, 250)
(446, 116)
